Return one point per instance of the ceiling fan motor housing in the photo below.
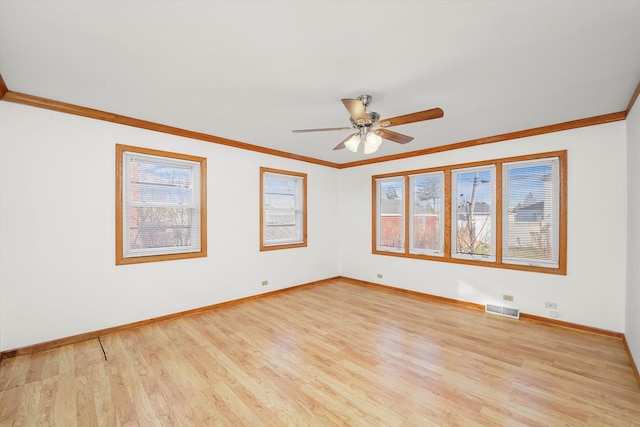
(365, 99)
(373, 119)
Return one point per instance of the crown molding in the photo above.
(573, 124)
(63, 107)
(3, 87)
(633, 99)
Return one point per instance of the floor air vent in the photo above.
(514, 313)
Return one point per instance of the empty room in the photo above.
(318, 213)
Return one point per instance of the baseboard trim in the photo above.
(475, 306)
(577, 326)
(413, 294)
(538, 319)
(357, 282)
(30, 349)
(633, 363)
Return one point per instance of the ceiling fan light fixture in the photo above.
(372, 142)
(368, 127)
(353, 142)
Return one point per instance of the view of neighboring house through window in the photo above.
(473, 234)
(160, 210)
(390, 214)
(427, 210)
(283, 218)
(532, 212)
(507, 213)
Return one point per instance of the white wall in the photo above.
(58, 275)
(593, 291)
(632, 325)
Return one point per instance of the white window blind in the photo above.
(531, 212)
(161, 205)
(426, 227)
(390, 214)
(282, 215)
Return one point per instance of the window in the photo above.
(426, 212)
(390, 214)
(506, 213)
(283, 213)
(473, 221)
(531, 209)
(160, 205)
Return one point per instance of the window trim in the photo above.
(303, 177)
(120, 259)
(403, 247)
(412, 217)
(561, 269)
(554, 163)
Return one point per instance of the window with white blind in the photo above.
(507, 213)
(473, 213)
(531, 212)
(283, 209)
(426, 227)
(160, 208)
(390, 214)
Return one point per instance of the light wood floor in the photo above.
(328, 354)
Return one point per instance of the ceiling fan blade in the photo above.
(318, 130)
(394, 136)
(341, 145)
(356, 110)
(434, 113)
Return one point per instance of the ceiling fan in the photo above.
(370, 129)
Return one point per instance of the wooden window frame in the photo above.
(561, 268)
(412, 218)
(303, 176)
(120, 191)
(455, 211)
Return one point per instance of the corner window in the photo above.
(160, 205)
(283, 209)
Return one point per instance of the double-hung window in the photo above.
(531, 212)
(283, 209)
(426, 225)
(160, 206)
(390, 215)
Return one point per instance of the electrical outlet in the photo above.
(506, 297)
(551, 305)
(379, 275)
(554, 314)
(264, 282)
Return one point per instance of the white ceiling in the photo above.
(252, 71)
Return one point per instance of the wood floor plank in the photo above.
(9, 405)
(14, 372)
(329, 354)
(29, 410)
